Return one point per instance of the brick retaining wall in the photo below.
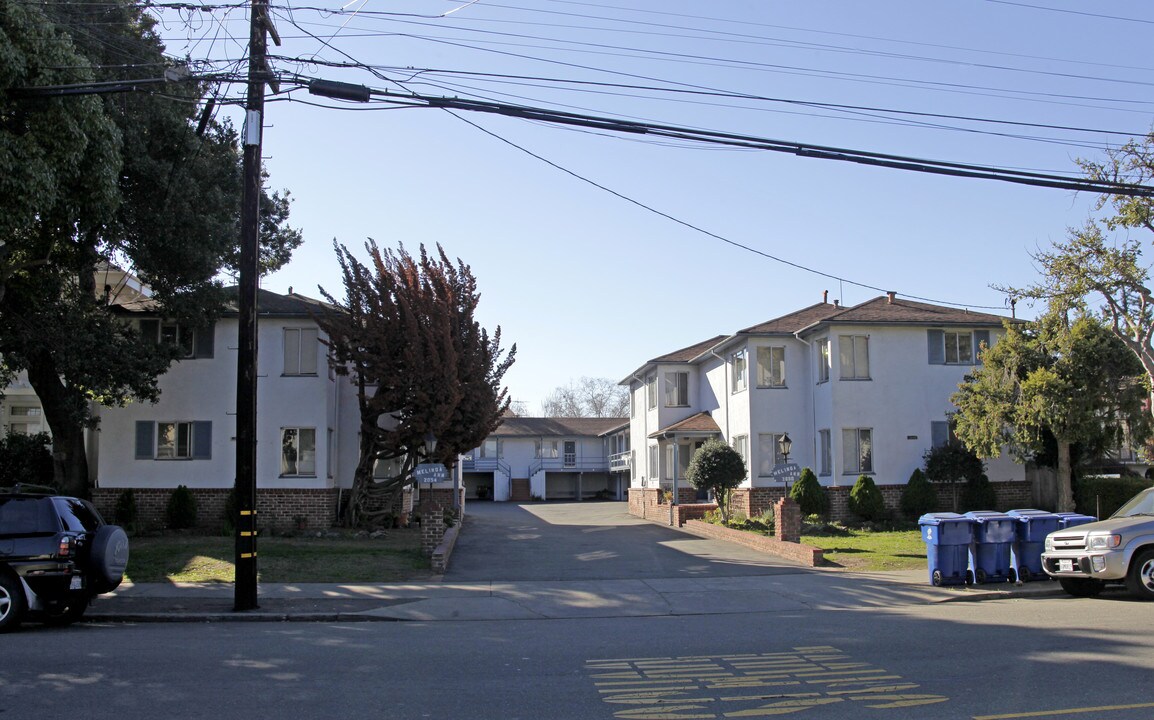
(804, 554)
(280, 509)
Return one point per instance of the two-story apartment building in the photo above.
(859, 390)
(307, 419)
(550, 458)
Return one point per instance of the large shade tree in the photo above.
(1074, 381)
(143, 181)
(1099, 266)
(406, 331)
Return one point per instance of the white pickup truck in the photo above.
(1120, 549)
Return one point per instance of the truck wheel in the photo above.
(1081, 587)
(1140, 579)
(12, 602)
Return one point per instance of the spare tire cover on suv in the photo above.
(109, 557)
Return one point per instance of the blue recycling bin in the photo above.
(994, 534)
(1073, 519)
(947, 537)
(1031, 529)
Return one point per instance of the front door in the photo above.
(570, 453)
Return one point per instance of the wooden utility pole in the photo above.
(245, 592)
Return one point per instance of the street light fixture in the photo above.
(430, 444)
(784, 444)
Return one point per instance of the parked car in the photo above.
(1085, 558)
(56, 555)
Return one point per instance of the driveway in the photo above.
(590, 541)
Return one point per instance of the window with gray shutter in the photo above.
(935, 339)
(202, 440)
(145, 434)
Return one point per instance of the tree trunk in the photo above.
(1065, 487)
(65, 412)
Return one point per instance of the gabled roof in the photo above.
(898, 311)
(700, 423)
(684, 355)
(556, 426)
(795, 321)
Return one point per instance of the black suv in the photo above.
(56, 554)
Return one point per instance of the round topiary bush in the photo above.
(809, 495)
(918, 496)
(181, 509)
(865, 500)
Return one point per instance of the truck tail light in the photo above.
(65, 546)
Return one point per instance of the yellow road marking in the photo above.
(1068, 711)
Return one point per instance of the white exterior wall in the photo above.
(204, 389)
(783, 409)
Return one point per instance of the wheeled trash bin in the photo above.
(1031, 529)
(1073, 519)
(990, 550)
(947, 537)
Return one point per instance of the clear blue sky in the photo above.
(588, 284)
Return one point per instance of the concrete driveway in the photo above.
(590, 541)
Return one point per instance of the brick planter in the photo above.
(804, 554)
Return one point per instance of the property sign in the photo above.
(431, 473)
(787, 473)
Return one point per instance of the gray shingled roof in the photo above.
(791, 323)
(268, 303)
(883, 311)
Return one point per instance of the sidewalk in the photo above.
(435, 601)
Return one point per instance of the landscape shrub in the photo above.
(978, 494)
(1101, 496)
(918, 496)
(809, 495)
(125, 514)
(865, 500)
(181, 509)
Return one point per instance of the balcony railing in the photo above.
(569, 463)
(621, 462)
(475, 464)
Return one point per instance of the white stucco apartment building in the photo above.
(859, 390)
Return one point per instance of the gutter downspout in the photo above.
(644, 434)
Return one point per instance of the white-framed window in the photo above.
(941, 433)
(190, 343)
(545, 448)
(173, 440)
(771, 366)
(676, 389)
(857, 451)
(654, 462)
(493, 448)
(823, 360)
(667, 470)
(959, 347)
(298, 451)
(825, 456)
(651, 391)
(768, 453)
(632, 464)
(741, 445)
(854, 357)
(738, 366)
(300, 351)
(388, 468)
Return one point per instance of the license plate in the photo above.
(77, 583)
(1065, 566)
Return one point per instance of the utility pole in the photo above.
(245, 589)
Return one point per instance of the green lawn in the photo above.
(872, 550)
(201, 558)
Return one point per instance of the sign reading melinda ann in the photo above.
(430, 473)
